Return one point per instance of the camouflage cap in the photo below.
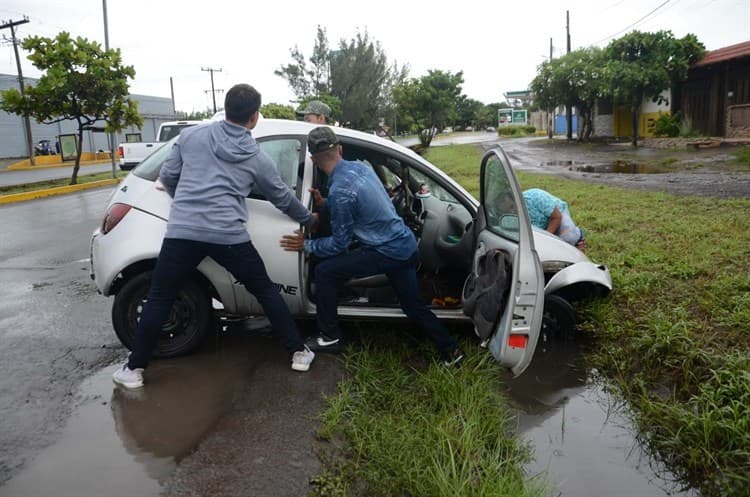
(317, 107)
(321, 139)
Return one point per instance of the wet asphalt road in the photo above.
(57, 398)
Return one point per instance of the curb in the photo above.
(20, 166)
(60, 190)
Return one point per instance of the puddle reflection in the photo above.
(582, 443)
(122, 442)
(615, 167)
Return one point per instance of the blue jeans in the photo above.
(330, 273)
(177, 260)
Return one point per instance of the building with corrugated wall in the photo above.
(154, 110)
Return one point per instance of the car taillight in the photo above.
(120, 153)
(114, 215)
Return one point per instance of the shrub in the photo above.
(667, 125)
(516, 130)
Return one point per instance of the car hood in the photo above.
(551, 248)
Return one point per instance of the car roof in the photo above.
(267, 127)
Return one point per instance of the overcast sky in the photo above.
(497, 44)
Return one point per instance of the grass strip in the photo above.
(674, 337)
(53, 183)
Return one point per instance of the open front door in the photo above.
(505, 229)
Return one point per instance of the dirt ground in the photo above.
(679, 170)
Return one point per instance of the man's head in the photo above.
(324, 146)
(316, 112)
(241, 104)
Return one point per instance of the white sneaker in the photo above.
(302, 359)
(129, 378)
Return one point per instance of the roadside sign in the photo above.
(504, 116)
(519, 116)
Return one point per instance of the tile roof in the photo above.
(724, 54)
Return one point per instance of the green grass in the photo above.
(41, 185)
(414, 427)
(673, 338)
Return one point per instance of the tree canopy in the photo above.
(430, 101)
(630, 69)
(81, 82)
(576, 80)
(355, 79)
(642, 65)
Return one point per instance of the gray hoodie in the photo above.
(209, 172)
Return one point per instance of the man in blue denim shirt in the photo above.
(361, 210)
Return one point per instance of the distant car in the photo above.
(454, 230)
(44, 147)
(491, 129)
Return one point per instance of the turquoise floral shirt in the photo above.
(540, 205)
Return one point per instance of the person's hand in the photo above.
(159, 185)
(293, 243)
(318, 200)
(315, 222)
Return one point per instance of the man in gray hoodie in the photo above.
(210, 171)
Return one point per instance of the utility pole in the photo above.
(213, 92)
(550, 112)
(171, 88)
(26, 121)
(110, 136)
(568, 108)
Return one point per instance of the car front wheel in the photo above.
(559, 319)
(188, 323)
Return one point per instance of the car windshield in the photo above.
(151, 165)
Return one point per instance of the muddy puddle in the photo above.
(583, 443)
(118, 442)
(615, 167)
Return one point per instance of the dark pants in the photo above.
(177, 260)
(332, 272)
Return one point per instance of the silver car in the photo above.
(454, 231)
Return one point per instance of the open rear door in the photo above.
(504, 226)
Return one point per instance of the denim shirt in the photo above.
(361, 209)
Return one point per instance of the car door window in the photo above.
(286, 155)
(500, 208)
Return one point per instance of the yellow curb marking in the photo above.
(21, 197)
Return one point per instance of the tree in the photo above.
(357, 75)
(576, 80)
(278, 111)
(430, 101)
(467, 111)
(309, 82)
(643, 65)
(81, 82)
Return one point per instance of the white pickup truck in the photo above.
(131, 154)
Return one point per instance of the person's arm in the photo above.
(342, 229)
(170, 172)
(555, 219)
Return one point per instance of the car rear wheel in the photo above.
(188, 323)
(559, 318)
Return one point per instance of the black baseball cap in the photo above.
(321, 139)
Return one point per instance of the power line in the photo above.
(635, 23)
(26, 121)
(212, 90)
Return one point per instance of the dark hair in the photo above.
(241, 102)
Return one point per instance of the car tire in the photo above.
(188, 324)
(559, 318)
